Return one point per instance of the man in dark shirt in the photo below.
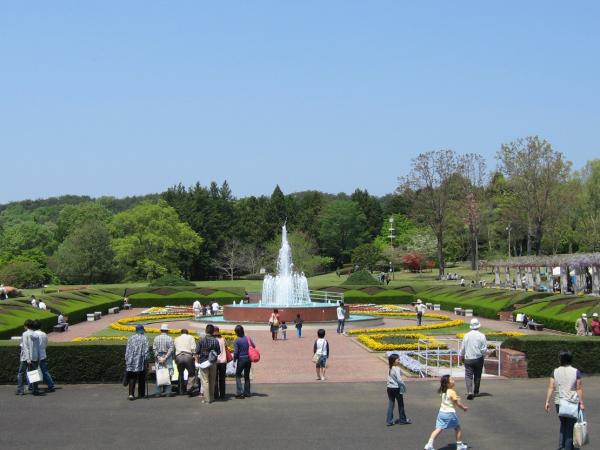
(208, 368)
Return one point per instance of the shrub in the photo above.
(542, 352)
(362, 277)
(170, 280)
(13, 314)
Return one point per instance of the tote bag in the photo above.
(253, 353)
(580, 433)
(163, 378)
(35, 376)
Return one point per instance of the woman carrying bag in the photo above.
(566, 388)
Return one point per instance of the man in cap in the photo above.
(595, 325)
(473, 351)
(136, 355)
(185, 348)
(420, 309)
(163, 349)
(581, 325)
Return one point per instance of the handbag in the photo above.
(228, 355)
(568, 409)
(163, 378)
(580, 432)
(316, 357)
(253, 353)
(402, 388)
(35, 375)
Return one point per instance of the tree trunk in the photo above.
(473, 249)
(440, 254)
(538, 238)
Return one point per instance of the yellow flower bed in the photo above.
(497, 334)
(399, 314)
(100, 338)
(374, 343)
(450, 323)
(122, 324)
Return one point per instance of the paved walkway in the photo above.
(345, 416)
(84, 329)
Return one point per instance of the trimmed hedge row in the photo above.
(13, 314)
(384, 297)
(181, 298)
(542, 352)
(560, 312)
(71, 362)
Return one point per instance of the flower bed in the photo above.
(381, 342)
(123, 324)
(450, 323)
(496, 334)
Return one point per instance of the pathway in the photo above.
(84, 329)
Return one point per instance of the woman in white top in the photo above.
(321, 350)
(565, 384)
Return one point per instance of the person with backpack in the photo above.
(241, 357)
(207, 353)
(321, 354)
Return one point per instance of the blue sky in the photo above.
(126, 97)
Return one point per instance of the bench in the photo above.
(429, 305)
(468, 313)
(458, 311)
(437, 307)
(91, 317)
(535, 326)
(114, 310)
(127, 306)
(59, 328)
(97, 315)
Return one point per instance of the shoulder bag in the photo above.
(253, 352)
(580, 432)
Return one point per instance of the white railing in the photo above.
(326, 297)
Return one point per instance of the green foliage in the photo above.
(71, 362)
(371, 208)
(13, 314)
(73, 217)
(542, 352)
(24, 274)
(165, 296)
(170, 280)
(342, 228)
(150, 241)
(304, 254)
(367, 256)
(86, 256)
(361, 277)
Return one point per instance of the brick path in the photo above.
(85, 329)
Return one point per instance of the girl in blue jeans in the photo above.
(395, 391)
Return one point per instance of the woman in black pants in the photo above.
(242, 359)
(221, 366)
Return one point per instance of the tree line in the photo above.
(449, 207)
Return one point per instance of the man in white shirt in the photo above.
(420, 310)
(42, 305)
(29, 358)
(34, 302)
(215, 308)
(197, 307)
(43, 337)
(341, 316)
(473, 351)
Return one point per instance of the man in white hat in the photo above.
(473, 351)
(581, 325)
(163, 349)
(595, 325)
(420, 309)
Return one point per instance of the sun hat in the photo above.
(139, 328)
(584, 315)
(164, 327)
(595, 315)
(475, 324)
(419, 300)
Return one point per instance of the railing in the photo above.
(326, 297)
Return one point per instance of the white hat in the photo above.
(419, 300)
(475, 324)
(595, 315)
(584, 315)
(164, 327)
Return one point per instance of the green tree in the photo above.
(371, 208)
(149, 241)
(343, 227)
(74, 216)
(367, 256)
(85, 256)
(305, 254)
(24, 274)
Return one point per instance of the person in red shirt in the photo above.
(595, 325)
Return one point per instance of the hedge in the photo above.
(181, 298)
(361, 277)
(13, 314)
(71, 362)
(383, 297)
(542, 352)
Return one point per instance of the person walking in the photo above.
(29, 357)
(473, 351)
(43, 338)
(447, 417)
(341, 316)
(241, 358)
(420, 309)
(207, 352)
(298, 323)
(565, 386)
(321, 354)
(197, 308)
(581, 325)
(274, 324)
(164, 349)
(185, 348)
(137, 354)
(595, 327)
(221, 366)
(395, 390)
